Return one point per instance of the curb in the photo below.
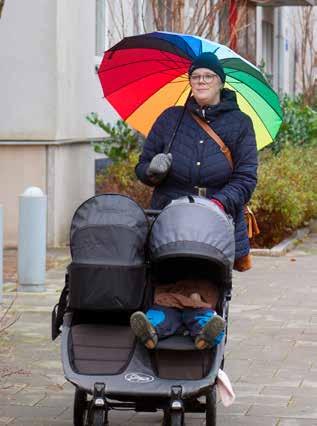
(286, 245)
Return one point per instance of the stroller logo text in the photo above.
(138, 378)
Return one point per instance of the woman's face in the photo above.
(206, 86)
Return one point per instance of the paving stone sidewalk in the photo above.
(270, 356)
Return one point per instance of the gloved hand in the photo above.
(159, 167)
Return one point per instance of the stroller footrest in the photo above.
(177, 343)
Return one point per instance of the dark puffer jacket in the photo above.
(198, 161)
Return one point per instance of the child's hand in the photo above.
(195, 297)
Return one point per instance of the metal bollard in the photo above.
(1, 253)
(32, 240)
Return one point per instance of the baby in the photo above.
(189, 303)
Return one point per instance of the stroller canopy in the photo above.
(193, 227)
(109, 229)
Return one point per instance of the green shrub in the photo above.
(122, 146)
(120, 177)
(299, 125)
(286, 194)
(121, 140)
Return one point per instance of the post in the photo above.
(32, 240)
(1, 253)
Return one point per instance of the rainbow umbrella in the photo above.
(143, 75)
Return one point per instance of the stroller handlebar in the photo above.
(152, 212)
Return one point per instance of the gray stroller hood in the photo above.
(109, 228)
(194, 227)
(108, 269)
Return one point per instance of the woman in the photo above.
(195, 160)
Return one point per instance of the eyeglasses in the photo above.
(206, 78)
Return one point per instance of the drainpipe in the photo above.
(280, 51)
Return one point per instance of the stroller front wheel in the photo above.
(98, 417)
(211, 408)
(80, 407)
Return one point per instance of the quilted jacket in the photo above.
(199, 162)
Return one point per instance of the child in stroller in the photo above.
(190, 303)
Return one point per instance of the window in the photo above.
(267, 46)
(100, 27)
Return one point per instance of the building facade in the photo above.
(50, 51)
(48, 84)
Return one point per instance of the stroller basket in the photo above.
(106, 287)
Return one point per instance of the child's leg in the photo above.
(166, 321)
(158, 322)
(205, 326)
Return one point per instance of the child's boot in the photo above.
(211, 334)
(143, 329)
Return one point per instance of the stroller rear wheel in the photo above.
(173, 418)
(80, 407)
(211, 409)
(98, 417)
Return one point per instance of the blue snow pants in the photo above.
(167, 321)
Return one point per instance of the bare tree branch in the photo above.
(122, 19)
(307, 51)
(1, 6)
(142, 16)
(7, 310)
(5, 323)
(118, 27)
(5, 327)
(198, 17)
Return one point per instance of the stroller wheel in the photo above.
(80, 408)
(173, 418)
(211, 409)
(98, 417)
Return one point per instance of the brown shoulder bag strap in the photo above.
(223, 147)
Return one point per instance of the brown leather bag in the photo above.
(243, 263)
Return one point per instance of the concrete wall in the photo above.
(71, 180)
(78, 89)
(28, 70)
(20, 167)
(48, 82)
(64, 171)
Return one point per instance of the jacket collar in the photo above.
(228, 102)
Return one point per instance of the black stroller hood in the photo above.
(109, 228)
(193, 227)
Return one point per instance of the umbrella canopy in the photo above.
(143, 75)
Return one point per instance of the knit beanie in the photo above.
(208, 60)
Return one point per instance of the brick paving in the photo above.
(270, 355)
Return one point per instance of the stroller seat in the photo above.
(100, 349)
(195, 364)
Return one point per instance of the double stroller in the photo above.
(120, 253)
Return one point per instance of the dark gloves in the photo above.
(159, 167)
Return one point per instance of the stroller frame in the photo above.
(105, 398)
(97, 394)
